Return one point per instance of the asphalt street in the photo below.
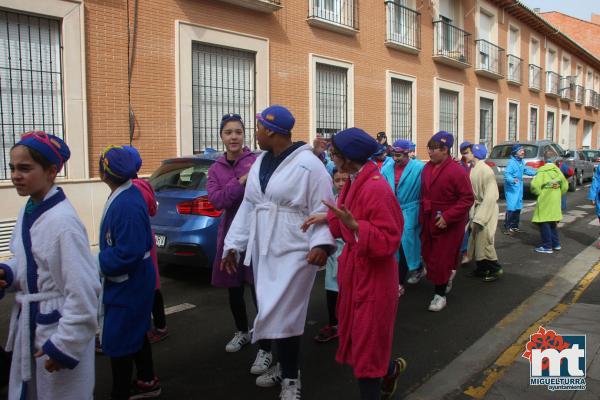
(192, 362)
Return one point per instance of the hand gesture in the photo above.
(440, 222)
(242, 179)
(317, 256)
(51, 364)
(229, 263)
(343, 215)
(313, 219)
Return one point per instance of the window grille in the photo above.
(533, 117)
(31, 92)
(486, 122)
(401, 110)
(449, 115)
(550, 125)
(331, 99)
(513, 118)
(223, 81)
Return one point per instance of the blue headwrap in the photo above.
(413, 146)
(51, 147)
(136, 155)
(277, 119)
(515, 148)
(382, 149)
(464, 145)
(118, 164)
(402, 146)
(444, 138)
(479, 151)
(355, 144)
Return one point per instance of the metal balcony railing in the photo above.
(552, 83)
(590, 98)
(403, 25)
(489, 57)
(535, 77)
(567, 88)
(514, 69)
(340, 12)
(596, 102)
(579, 94)
(451, 42)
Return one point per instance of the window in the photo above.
(336, 11)
(401, 109)
(534, 52)
(449, 113)
(403, 24)
(514, 47)
(533, 124)
(223, 81)
(331, 99)
(513, 121)
(550, 125)
(31, 87)
(486, 122)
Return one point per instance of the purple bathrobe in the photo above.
(226, 193)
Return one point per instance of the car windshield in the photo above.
(591, 153)
(180, 175)
(504, 150)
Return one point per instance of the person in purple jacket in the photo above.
(226, 185)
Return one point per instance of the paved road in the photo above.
(192, 363)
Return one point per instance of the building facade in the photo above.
(162, 72)
(583, 32)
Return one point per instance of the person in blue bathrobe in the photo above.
(404, 177)
(381, 158)
(594, 194)
(129, 278)
(513, 188)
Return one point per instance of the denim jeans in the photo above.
(549, 235)
(512, 219)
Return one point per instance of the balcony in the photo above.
(552, 84)
(535, 78)
(451, 45)
(514, 69)
(335, 15)
(579, 94)
(567, 89)
(596, 102)
(403, 28)
(590, 98)
(489, 60)
(266, 6)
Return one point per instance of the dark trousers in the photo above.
(549, 234)
(288, 352)
(402, 267)
(158, 311)
(487, 266)
(332, 297)
(122, 369)
(370, 388)
(512, 219)
(237, 303)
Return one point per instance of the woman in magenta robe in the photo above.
(369, 220)
(446, 198)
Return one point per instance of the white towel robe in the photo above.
(267, 227)
(61, 250)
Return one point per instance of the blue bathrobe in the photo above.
(128, 292)
(408, 194)
(513, 192)
(595, 190)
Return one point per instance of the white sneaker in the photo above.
(261, 363)
(272, 377)
(290, 389)
(416, 275)
(438, 303)
(449, 285)
(240, 339)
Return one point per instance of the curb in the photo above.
(449, 382)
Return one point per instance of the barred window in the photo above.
(513, 119)
(550, 125)
(223, 81)
(449, 114)
(31, 92)
(486, 122)
(533, 121)
(331, 99)
(401, 110)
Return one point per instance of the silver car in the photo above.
(534, 158)
(583, 167)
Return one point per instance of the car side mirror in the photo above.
(566, 154)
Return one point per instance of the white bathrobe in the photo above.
(267, 226)
(68, 289)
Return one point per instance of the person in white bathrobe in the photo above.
(286, 184)
(55, 278)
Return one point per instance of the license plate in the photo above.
(160, 240)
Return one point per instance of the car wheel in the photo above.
(580, 178)
(572, 183)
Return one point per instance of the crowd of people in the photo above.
(369, 213)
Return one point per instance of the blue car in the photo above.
(186, 223)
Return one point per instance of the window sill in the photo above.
(256, 5)
(402, 47)
(332, 26)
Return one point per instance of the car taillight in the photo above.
(491, 163)
(535, 164)
(199, 206)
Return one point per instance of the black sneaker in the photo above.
(516, 230)
(492, 276)
(145, 390)
(389, 384)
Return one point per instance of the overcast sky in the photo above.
(576, 8)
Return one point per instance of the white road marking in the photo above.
(594, 222)
(179, 308)
(586, 206)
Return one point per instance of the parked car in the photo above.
(534, 158)
(583, 167)
(186, 223)
(593, 156)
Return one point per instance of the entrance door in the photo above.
(573, 133)
(564, 131)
